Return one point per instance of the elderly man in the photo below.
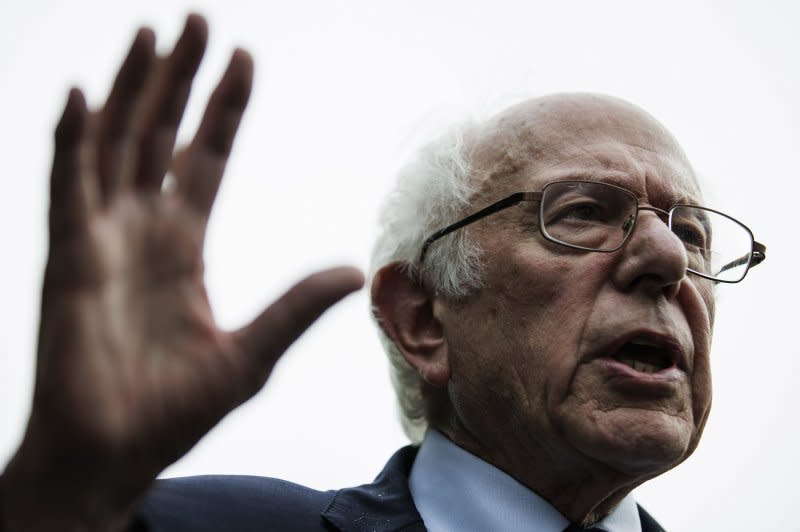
(544, 284)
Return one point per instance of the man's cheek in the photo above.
(697, 299)
(701, 391)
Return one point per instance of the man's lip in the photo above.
(659, 385)
(666, 342)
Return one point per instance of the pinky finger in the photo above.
(203, 161)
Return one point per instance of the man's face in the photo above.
(600, 359)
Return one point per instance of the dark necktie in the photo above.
(576, 528)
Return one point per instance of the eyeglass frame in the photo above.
(757, 254)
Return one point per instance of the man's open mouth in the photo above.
(644, 356)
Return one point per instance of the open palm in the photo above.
(132, 369)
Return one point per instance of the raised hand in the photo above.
(132, 369)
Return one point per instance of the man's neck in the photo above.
(580, 489)
(456, 490)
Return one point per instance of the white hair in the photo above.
(431, 192)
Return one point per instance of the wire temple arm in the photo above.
(486, 211)
(755, 258)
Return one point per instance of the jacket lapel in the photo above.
(383, 506)
(648, 523)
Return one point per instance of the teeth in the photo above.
(638, 365)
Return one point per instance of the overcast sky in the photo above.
(343, 92)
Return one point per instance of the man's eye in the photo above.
(587, 212)
(690, 235)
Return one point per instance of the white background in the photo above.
(343, 91)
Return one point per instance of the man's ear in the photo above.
(404, 310)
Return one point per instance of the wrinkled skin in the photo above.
(527, 388)
(132, 369)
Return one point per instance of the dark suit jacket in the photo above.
(250, 504)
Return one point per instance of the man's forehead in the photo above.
(580, 136)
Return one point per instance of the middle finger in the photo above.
(165, 103)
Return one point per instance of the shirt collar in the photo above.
(454, 490)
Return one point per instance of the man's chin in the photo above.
(638, 443)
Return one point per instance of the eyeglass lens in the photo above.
(718, 246)
(599, 217)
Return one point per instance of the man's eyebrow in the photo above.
(597, 176)
(685, 200)
(683, 197)
(622, 180)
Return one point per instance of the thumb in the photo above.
(265, 339)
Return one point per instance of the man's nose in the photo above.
(654, 258)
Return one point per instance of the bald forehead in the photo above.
(583, 136)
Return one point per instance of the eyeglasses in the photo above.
(594, 216)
